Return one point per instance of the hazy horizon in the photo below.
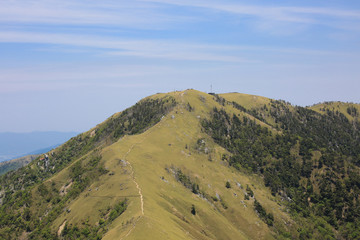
(14, 145)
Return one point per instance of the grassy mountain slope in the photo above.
(146, 164)
(248, 101)
(189, 165)
(350, 110)
(167, 203)
(25, 195)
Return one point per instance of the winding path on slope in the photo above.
(137, 186)
(132, 170)
(133, 176)
(134, 179)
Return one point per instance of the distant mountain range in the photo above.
(15, 145)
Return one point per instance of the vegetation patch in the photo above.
(194, 187)
(268, 218)
(325, 186)
(86, 231)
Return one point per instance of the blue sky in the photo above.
(68, 65)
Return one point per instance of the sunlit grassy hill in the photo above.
(350, 110)
(170, 168)
(142, 169)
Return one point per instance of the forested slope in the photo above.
(312, 159)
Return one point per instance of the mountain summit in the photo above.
(192, 165)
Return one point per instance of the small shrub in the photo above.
(193, 210)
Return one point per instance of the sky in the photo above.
(69, 65)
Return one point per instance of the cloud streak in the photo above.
(151, 14)
(132, 14)
(303, 15)
(163, 51)
(67, 76)
(160, 49)
(156, 49)
(80, 72)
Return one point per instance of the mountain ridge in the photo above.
(174, 166)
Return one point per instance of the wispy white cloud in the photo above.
(172, 50)
(303, 15)
(152, 14)
(60, 86)
(159, 49)
(69, 76)
(131, 14)
(86, 73)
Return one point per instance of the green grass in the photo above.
(336, 106)
(143, 163)
(246, 100)
(167, 203)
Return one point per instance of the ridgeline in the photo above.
(192, 165)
